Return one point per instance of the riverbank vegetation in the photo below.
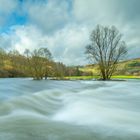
(14, 64)
(38, 64)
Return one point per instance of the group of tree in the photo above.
(38, 64)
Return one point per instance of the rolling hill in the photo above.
(128, 67)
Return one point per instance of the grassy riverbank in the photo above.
(96, 77)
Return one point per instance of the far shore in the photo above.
(96, 78)
(114, 78)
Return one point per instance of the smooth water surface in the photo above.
(69, 110)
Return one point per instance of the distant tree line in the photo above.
(38, 64)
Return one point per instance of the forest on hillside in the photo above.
(38, 64)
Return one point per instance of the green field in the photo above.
(129, 69)
(97, 77)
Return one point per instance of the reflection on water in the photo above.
(69, 110)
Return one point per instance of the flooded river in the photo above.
(69, 110)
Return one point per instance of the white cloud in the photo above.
(49, 15)
(23, 37)
(6, 7)
(123, 14)
(65, 30)
(67, 45)
(95, 11)
(107, 11)
(28, 37)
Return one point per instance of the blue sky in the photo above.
(13, 19)
(64, 26)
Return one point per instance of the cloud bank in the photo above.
(64, 26)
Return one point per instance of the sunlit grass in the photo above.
(80, 77)
(125, 77)
(97, 77)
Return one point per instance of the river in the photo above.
(69, 110)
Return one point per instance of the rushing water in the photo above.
(69, 110)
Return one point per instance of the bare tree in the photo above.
(38, 61)
(106, 49)
(2, 57)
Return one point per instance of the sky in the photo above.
(64, 26)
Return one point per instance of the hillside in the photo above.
(128, 67)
